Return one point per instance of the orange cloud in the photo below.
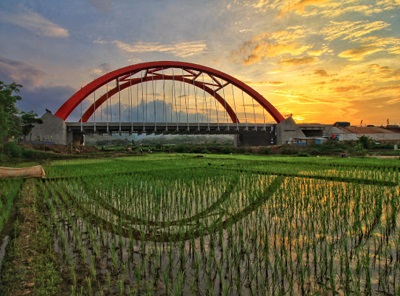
(395, 50)
(266, 83)
(384, 72)
(390, 44)
(342, 89)
(395, 88)
(301, 5)
(321, 72)
(298, 61)
(273, 44)
(276, 83)
(358, 53)
(348, 30)
(254, 52)
(315, 52)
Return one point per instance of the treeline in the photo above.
(13, 123)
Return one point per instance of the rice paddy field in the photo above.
(175, 224)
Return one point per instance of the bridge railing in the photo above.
(167, 128)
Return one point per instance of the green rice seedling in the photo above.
(179, 284)
(9, 191)
(108, 279)
(89, 286)
(74, 281)
(166, 279)
(232, 231)
(120, 284)
(92, 267)
(114, 256)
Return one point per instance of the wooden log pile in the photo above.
(36, 171)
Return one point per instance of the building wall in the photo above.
(287, 131)
(53, 130)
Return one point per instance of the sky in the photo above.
(321, 61)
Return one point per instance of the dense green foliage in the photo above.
(13, 123)
(9, 121)
(28, 119)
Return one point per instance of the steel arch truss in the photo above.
(89, 112)
(155, 71)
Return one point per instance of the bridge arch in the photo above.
(193, 71)
(89, 112)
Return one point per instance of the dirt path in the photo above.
(30, 268)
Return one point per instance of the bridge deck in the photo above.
(167, 128)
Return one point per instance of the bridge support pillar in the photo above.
(78, 139)
(52, 131)
(256, 138)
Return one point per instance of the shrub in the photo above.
(264, 151)
(289, 150)
(13, 150)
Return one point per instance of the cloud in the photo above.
(180, 49)
(395, 50)
(321, 72)
(296, 98)
(102, 5)
(20, 72)
(300, 6)
(327, 8)
(345, 89)
(272, 44)
(339, 9)
(265, 4)
(266, 83)
(395, 89)
(35, 96)
(42, 98)
(390, 44)
(276, 83)
(298, 61)
(384, 73)
(287, 94)
(349, 30)
(101, 70)
(393, 101)
(315, 52)
(358, 53)
(382, 41)
(35, 23)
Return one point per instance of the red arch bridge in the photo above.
(168, 97)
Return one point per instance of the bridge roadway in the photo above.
(167, 128)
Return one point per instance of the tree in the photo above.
(366, 142)
(28, 119)
(10, 123)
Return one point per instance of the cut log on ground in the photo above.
(36, 171)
